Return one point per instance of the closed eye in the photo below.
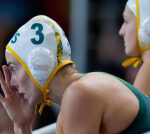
(12, 69)
(12, 66)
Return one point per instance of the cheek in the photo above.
(23, 80)
(134, 35)
(131, 33)
(27, 84)
(131, 38)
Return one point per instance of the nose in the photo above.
(121, 31)
(13, 83)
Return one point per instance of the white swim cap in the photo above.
(42, 48)
(141, 10)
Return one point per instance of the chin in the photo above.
(128, 53)
(30, 101)
(33, 101)
(131, 53)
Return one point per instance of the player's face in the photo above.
(21, 82)
(129, 32)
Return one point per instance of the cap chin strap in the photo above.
(46, 91)
(133, 60)
(46, 100)
(136, 61)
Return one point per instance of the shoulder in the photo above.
(97, 90)
(89, 88)
(87, 94)
(80, 93)
(81, 97)
(79, 108)
(93, 87)
(97, 98)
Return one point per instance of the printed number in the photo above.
(39, 33)
(13, 41)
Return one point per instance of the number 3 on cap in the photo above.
(39, 33)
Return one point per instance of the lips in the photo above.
(125, 43)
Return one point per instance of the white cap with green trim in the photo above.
(42, 48)
(42, 45)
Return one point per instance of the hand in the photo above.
(18, 108)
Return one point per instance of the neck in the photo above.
(61, 81)
(146, 55)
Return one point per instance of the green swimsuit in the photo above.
(142, 121)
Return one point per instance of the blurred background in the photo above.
(91, 26)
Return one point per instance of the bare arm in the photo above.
(142, 80)
(80, 112)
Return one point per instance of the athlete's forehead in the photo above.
(10, 59)
(127, 12)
